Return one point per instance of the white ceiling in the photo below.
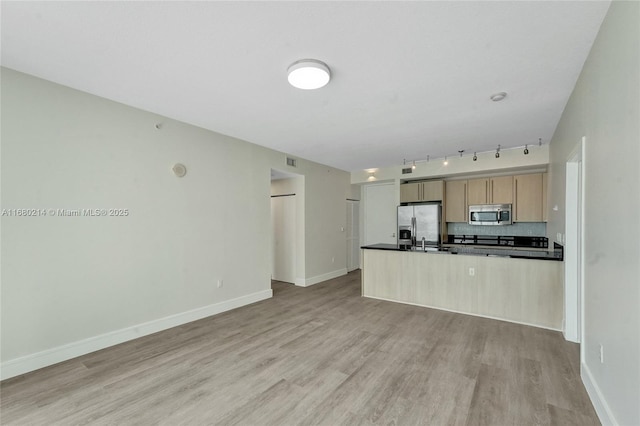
(410, 79)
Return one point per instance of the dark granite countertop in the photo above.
(552, 254)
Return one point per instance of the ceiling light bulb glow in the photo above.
(308, 74)
(445, 162)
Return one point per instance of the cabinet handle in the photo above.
(491, 191)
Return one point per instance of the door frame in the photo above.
(353, 240)
(574, 246)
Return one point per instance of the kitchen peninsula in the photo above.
(522, 286)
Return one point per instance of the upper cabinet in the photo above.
(496, 190)
(528, 203)
(416, 192)
(544, 197)
(455, 201)
(527, 193)
(501, 190)
(477, 191)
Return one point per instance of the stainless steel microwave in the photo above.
(490, 214)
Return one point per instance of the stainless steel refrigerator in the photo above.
(423, 220)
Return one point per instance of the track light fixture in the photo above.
(498, 152)
(445, 162)
(526, 149)
(460, 151)
(413, 167)
(475, 157)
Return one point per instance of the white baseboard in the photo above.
(25, 364)
(597, 399)
(306, 282)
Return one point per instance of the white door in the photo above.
(380, 214)
(353, 235)
(283, 239)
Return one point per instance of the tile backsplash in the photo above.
(521, 229)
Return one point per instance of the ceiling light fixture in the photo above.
(497, 97)
(475, 157)
(308, 74)
(460, 151)
(526, 149)
(498, 152)
(445, 162)
(414, 165)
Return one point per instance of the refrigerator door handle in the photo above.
(413, 231)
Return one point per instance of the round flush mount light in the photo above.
(308, 74)
(497, 97)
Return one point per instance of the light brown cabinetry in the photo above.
(521, 290)
(456, 201)
(496, 190)
(501, 190)
(478, 191)
(544, 197)
(528, 201)
(421, 191)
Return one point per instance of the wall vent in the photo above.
(291, 162)
(407, 171)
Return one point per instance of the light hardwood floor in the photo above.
(315, 355)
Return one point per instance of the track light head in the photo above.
(498, 152)
(526, 150)
(475, 157)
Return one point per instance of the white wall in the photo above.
(74, 284)
(605, 108)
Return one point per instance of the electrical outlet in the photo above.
(220, 283)
(601, 354)
(472, 272)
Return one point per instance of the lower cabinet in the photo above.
(526, 291)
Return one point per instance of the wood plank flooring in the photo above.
(320, 355)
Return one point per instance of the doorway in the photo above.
(283, 238)
(574, 250)
(287, 196)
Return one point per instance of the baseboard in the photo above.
(597, 399)
(306, 282)
(464, 313)
(52, 356)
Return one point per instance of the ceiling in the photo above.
(409, 79)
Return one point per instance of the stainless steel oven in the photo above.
(490, 214)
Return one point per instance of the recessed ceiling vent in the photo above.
(407, 170)
(292, 162)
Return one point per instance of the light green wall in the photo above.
(605, 108)
(68, 279)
